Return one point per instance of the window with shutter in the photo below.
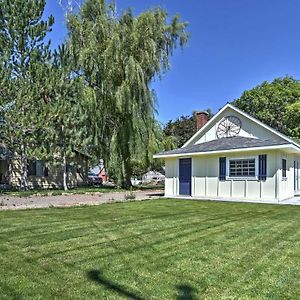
(37, 168)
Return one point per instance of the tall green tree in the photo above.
(23, 52)
(269, 102)
(119, 56)
(292, 120)
(64, 119)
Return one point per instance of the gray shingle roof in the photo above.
(227, 143)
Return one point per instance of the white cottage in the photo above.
(233, 156)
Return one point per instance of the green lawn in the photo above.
(158, 249)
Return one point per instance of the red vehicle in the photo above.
(94, 179)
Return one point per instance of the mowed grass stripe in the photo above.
(152, 250)
(81, 236)
(71, 249)
(41, 236)
(186, 228)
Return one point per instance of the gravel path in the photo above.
(12, 202)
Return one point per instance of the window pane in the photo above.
(39, 168)
(242, 167)
(31, 168)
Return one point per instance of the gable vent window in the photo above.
(242, 167)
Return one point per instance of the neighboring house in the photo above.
(233, 156)
(39, 175)
(153, 176)
(42, 176)
(149, 177)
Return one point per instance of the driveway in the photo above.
(12, 202)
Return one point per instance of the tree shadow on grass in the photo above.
(185, 292)
(96, 276)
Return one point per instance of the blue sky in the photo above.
(234, 45)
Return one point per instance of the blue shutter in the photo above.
(222, 168)
(284, 168)
(262, 167)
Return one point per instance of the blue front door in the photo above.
(185, 176)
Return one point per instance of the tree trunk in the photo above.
(126, 182)
(65, 185)
(127, 172)
(10, 172)
(64, 157)
(24, 183)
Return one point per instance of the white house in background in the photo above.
(233, 156)
(153, 176)
(149, 177)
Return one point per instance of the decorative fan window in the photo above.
(242, 167)
(228, 127)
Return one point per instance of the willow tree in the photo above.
(23, 52)
(157, 141)
(119, 57)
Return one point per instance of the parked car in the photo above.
(94, 179)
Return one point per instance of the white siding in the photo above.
(286, 185)
(171, 179)
(206, 183)
(205, 168)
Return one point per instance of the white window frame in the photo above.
(228, 177)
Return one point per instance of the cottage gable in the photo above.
(244, 126)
